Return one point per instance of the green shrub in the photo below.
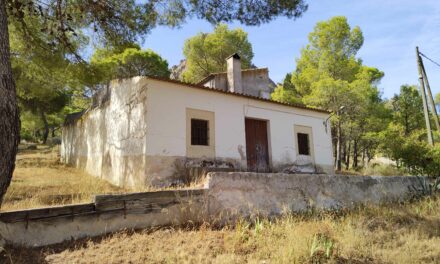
(26, 135)
(411, 151)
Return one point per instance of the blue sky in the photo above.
(391, 30)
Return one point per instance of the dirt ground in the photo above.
(41, 180)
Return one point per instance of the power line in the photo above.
(436, 63)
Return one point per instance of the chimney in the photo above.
(233, 64)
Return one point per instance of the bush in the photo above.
(383, 170)
(411, 151)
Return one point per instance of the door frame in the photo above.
(268, 138)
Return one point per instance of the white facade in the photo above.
(140, 135)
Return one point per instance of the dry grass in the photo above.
(40, 180)
(384, 170)
(408, 233)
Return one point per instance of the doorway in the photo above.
(257, 148)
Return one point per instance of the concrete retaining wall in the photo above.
(226, 196)
(109, 213)
(246, 194)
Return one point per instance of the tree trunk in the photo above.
(344, 152)
(46, 127)
(338, 146)
(363, 158)
(53, 131)
(347, 161)
(369, 157)
(355, 154)
(9, 116)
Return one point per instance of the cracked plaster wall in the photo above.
(109, 141)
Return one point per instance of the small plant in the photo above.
(322, 247)
(436, 185)
(425, 187)
(258, 226)
(242, 230)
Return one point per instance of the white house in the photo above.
(153, 131)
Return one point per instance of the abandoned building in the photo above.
(153, 131)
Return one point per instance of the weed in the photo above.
(322, 247)
(258, 226)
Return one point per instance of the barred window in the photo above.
(199, 132)
(303, 144)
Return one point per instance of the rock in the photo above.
(177, 70)
(303, 164)
(32, 147)
(53, 141)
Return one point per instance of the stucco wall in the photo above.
(254, 82)
(167, 104)
(137, 136)
(109, 141)
(234, 194)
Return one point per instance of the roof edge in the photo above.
(300, 106)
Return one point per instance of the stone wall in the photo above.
(246, 194)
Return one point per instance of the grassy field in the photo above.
(41, 180)
(396, 233)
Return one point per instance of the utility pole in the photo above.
(431, 99)
(422, 89)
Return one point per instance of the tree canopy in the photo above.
(205, 53)
(330, 54)
(328, 75)
(120, 22)
(286, 92)
(407, 108)
(45, 79)
(129, 62)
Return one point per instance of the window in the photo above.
(199, 132)
(200, 136)
(303, 144)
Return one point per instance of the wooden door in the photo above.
(257, 149)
